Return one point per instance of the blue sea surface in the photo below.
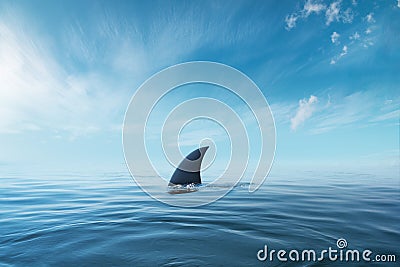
(106, 220)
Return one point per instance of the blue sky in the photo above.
(329, 70)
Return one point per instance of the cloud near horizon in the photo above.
(305, 110)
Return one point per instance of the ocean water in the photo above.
(106, 220)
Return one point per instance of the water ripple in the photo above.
(108, 220)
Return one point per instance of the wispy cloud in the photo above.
(291, 21)
(355, 36)
(344, 51)
(356, 40)
(357, 109)
(313, 7)
(81, 82)
(338, 11)
(37, 92)
(342, 111)
(305, 110)
(283, 112)
(370, 18)
(347, 16)
(332, 13)
(342, 54)
(324, 114)
(310, 6)
(387, 116)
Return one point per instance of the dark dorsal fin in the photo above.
(188, 171)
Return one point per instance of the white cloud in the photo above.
(312, 7)
(291, 21)
(335, 37)
(347, 16)
(368, 31)
(355, 36)
(332, 13)
(370, 18)
(305, 110)
(367, 43)
(398, 3)
(344, 51)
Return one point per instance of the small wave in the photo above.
(228, 185)
(190, 188)
(182, 189)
